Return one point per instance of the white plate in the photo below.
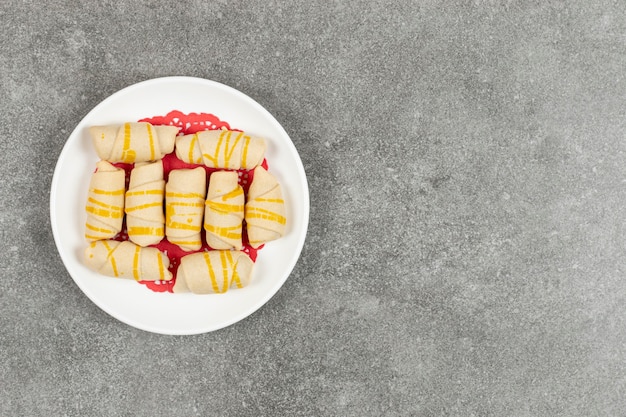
(133, 303)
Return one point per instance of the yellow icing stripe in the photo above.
(184, 242)
(244, 156)
(225, 232)
(225, 152)
(128, 155)
(184, 195)
(98, 229)
(213, 159)
(114, 266)
(151, 141)
(259, 213)
(111, 258)
(210, 226)
(136, 263)
(101, 204)
(233, 194)
(192, 146)
(207, 261)
(236, 279)
(222, 207)
(106, 192)
(92, 237)
(126, 136)
(270, 200)
(172, 204)
(144, 192)
(161, 267)
(144, 206)
(225, 258)
(171, 212)
(228, 152)
(104, 213)
(149, 231)
(211, 162)
(183, 226)
(256, 242)
(219, 146)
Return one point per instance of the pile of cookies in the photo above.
(182, 207)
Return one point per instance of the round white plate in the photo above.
(133, 303)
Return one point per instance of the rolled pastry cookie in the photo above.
(213, 272)
(223, 211)
(221, 149)
(265, 209)
(105, 202)
(145, 220)
(127, 260)
(133, 142)
(185, 193)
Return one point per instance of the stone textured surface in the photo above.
(467, 172)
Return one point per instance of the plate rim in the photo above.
(55, 182)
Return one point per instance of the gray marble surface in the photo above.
(465, 254)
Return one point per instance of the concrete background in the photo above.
(465, 253)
